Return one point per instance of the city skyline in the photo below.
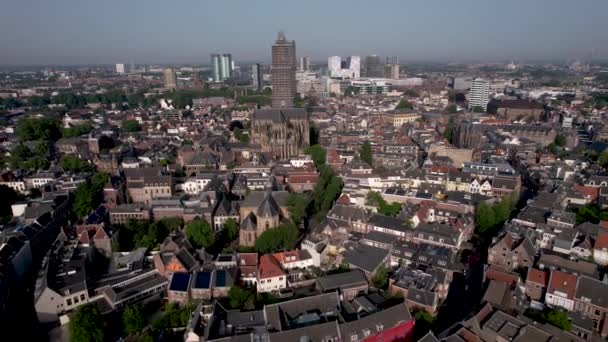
(73, 33)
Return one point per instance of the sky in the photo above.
(68, 32)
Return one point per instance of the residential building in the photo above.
(561, 290)
(271, 276)
(479, 95)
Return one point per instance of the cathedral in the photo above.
(284, 132)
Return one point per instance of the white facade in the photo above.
(272, 283)
(479, 94)
(600, 256)
(559, 299)
(352, 68)
(121, 68)
(40, 182)
(193, 186)
(17, 186)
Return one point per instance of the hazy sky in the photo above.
(187, 31)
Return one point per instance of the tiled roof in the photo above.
(269, 267)
(562, 282)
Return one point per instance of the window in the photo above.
(82, 297)
(354, 337)
(69, 301)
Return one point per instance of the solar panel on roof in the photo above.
(220, 278)
(203, 280)
(179, 282)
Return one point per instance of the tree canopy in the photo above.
(375, 199)
(87, 324)
(133, 320)
(404, 105)
(380, 278)
(365, 153)
(488, 217)
(130, 126)
(76, 131)
(318, 155)
(89, 195)
(296, 204)
(558, 318)
(560, 140)
(283, 237)
(199, 232)
(38, 129)
(75, 164)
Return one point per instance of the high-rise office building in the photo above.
(350, 68)
(391, 71)
(222, 66)
(392, 60)
(170, 78)
(373, 67)
(215, 66)
(304, 64)
(226, 66)
(121, 68)
(283, 72)
(479, 96)
(256, 75)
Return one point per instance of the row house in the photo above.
(350, 217)
(512, 252)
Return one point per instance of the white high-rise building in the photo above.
(304, 63)
(121, 68)
(222, 66)
(350, 68)
(479, 96)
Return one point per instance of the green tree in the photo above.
(42, 148)
(200, 233)
(130, 126)
(283, 237)
(588, 213)
(484, 217)
(450, 130)
(560, 140)
(603, 159)
(89, 195)
(230, 231)
(478, 109)
(404, 105)
(365, 153)
(36, 163)
(296, 204)
(76, 131)
(240, 299)
(558, 318)
(75, 164)
(133, 320)
(380, 278)
(87, 324)
(318, 155)
(452, 109)
(424, 323)
(38, 129)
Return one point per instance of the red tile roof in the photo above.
(588, 191)
(269, 267)
(562, 282)
(602, 241)
(537, 276)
